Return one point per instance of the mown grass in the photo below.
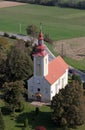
(16, 122)
(78, 64)
(60, 23)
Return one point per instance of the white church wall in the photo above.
(55, 88)
(59, 84)
(38, 83)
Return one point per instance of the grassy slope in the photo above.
(61, 23)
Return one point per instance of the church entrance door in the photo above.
(38, 97)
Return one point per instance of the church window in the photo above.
(38, 81)
(46, 61)
(38, 62)
(38, 68)
(62, 82)
(38, 89)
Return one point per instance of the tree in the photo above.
(19, 65)
(2, 71)
(13, 94)
(4, 46)
(32, 30)
(2, 125)
(67, 107)
(76, 78)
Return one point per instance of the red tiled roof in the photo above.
(43, 53)
(56, 69)
(41, 47)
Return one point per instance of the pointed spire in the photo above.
(40, 38)
(40, 50)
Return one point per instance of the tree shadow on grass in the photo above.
(43, 118)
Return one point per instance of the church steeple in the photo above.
(40, 50)
(40, 57)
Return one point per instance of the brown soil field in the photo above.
(4, 4)
(73, 48)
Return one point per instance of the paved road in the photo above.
(77, 72)
(20, 36)
(50, 55)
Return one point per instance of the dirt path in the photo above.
(4, 4)
(73, 48)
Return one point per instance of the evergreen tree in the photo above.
(19, 65)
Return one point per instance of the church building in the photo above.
(48, 77)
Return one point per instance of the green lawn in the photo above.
(16, 123)
(78, 64)
(60, 23)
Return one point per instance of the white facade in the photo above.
(39, 85)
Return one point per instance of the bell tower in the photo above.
(40, 58)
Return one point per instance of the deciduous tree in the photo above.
(13, 94)
(32, 30)
(67, 107)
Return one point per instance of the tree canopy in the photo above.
(13, 94)
(18, 64)
(32, 30)
(61, 3)
(67, 106)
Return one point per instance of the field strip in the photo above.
(4, 4)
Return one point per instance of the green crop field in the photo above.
(60, 23)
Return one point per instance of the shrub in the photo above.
(13, 37)
(37, 110)
(32, 30)
(6, 34)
